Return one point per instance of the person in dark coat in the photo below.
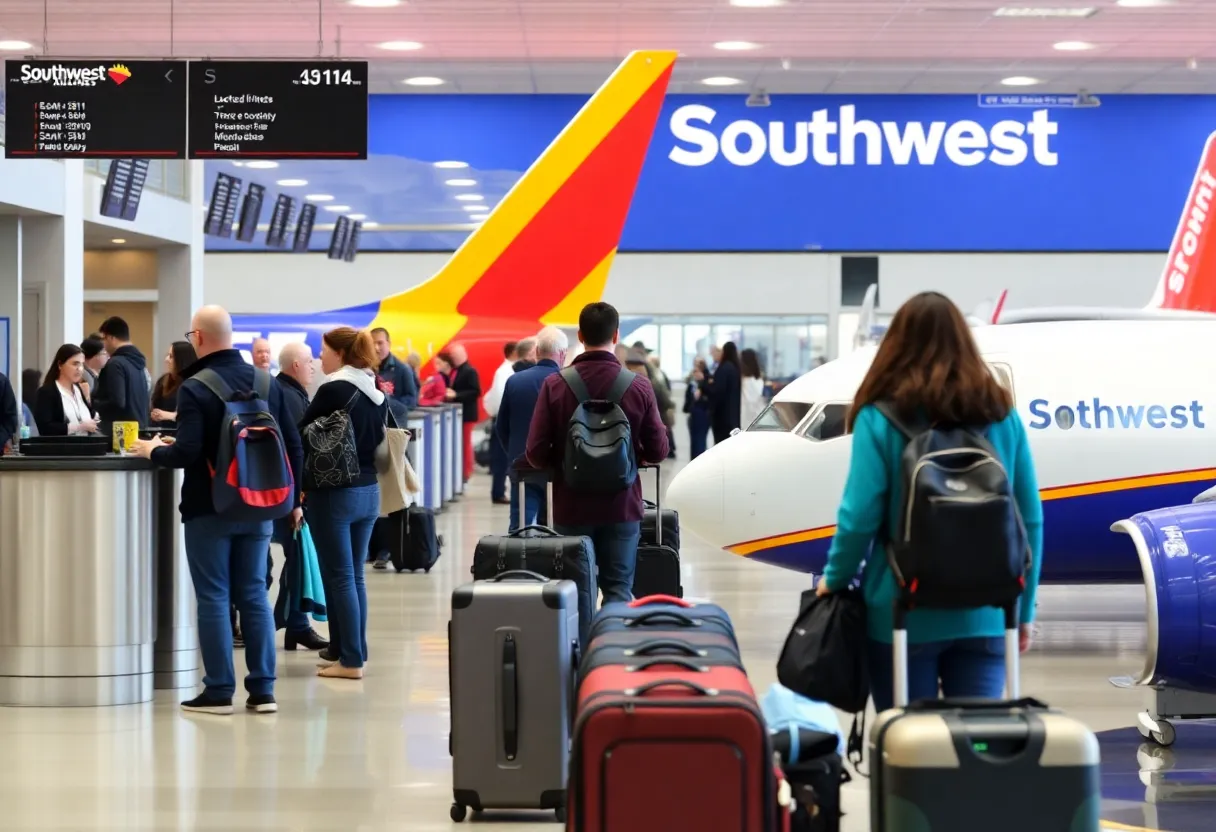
(515, 417)
(10, 414)
(394, 377)
(123, 393)
(465, 388)
(227, 558)
(696, 405)
(60, 405)
(164, 393)
(726, 394)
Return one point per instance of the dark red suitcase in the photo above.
(671, 748)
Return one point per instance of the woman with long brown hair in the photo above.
(929, 370)
(164, 393)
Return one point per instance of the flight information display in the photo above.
(278, 110)
(98, 109)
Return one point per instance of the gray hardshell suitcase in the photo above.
(959, 765)
(512, 666)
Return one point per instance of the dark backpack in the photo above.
(252, 479)
(331, 457)
(959, 542)
(600, 456)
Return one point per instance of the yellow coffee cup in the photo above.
(125, 435)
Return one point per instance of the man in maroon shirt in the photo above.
(612, 521)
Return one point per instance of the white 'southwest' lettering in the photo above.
(1195, 219)
(965, 143)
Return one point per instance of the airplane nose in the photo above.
(698, 493)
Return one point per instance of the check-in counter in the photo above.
(423, 454)
(176, 658)
(77, 537)
(457, 449)
(448, 452)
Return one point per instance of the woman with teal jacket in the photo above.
(930, 369)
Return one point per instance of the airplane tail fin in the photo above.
(545, 250)
(1189, 280)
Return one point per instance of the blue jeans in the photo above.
(228, 566)
(616, 555)
(534, 503)
(698, 431)
(966, 667)
(341, 520)
(295, 621)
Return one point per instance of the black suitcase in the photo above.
(658, 565)
(652, 535)
(409, 535)
(541, 550)
(634, 650)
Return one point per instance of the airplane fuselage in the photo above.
(1120, 416)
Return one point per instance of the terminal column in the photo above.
(52, 254)
(180, 273)
(10, 298)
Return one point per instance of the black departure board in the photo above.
(96, 109)
(280, 218)
(124, 186)
(308, 218)
(251, 212)
(222, 208)
(278, 110)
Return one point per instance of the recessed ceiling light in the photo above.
(1072, 46)
(14, 45)
(118, 241)
(1143, 4)
(720, 81)
(460, 183)
(262, 165)
(400, 45)
(451, 165)
(424, 81)
(470, 197)
(1020, 81)
(357, 216)
(1039, 11)
(375, 4)
(318, 197)
(338, 208)
(238, 164)
(292, 183)
(756, 4)
(474, 208)
(371, 225)
(735, 45)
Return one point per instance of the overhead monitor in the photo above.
(123, 188)
(352, 241)
(222, 209)
(280, 217)
(308, 218)
(337, 243)
(251, 212)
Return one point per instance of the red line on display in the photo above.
(353, 154)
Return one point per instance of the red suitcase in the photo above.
(670, 746)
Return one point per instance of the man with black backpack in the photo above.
(237, 482)
(593, 423)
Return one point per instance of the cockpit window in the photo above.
(781, 416)
(828, 423)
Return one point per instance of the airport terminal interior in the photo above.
(751, 190)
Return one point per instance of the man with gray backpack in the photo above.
(593, 424)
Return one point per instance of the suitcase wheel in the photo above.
(559, 814)
(427, 571)
(458, 813)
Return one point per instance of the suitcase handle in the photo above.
(650, 647)
(683, 683)
(929, 705)
(660, 599)
(544, 531)
(519, 574)
(661, 615)
(510, 691)
(668, 661)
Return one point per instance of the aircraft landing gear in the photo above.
(1157, 730)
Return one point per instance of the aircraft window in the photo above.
(829, 423)
(781, 416)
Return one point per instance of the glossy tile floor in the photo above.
(372, 755)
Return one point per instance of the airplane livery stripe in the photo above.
(1055, 493)
(598, 118)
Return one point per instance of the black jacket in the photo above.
(199, 416)
(10, 414)
(122, 389)
(161, 401)
(366, 418)
(48, 410)
(523, 364)
(396, 380)
(725, 398)
(295, 398)
(467, 385)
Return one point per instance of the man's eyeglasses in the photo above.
(191, 333)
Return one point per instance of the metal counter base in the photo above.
(74, 691)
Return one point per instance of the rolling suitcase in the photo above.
(958, 765)
(658, 564)
(541, 550)
(512, 662)
(672, 746)
(410, 538)
(633, 647)
(660, 616)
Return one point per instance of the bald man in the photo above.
(261, 354)
(227, 558)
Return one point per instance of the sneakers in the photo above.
(204, 704)
(261, 704)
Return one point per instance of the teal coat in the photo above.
(874, 487)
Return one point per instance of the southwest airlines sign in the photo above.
(808, 173)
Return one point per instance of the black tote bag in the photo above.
(824, 657)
